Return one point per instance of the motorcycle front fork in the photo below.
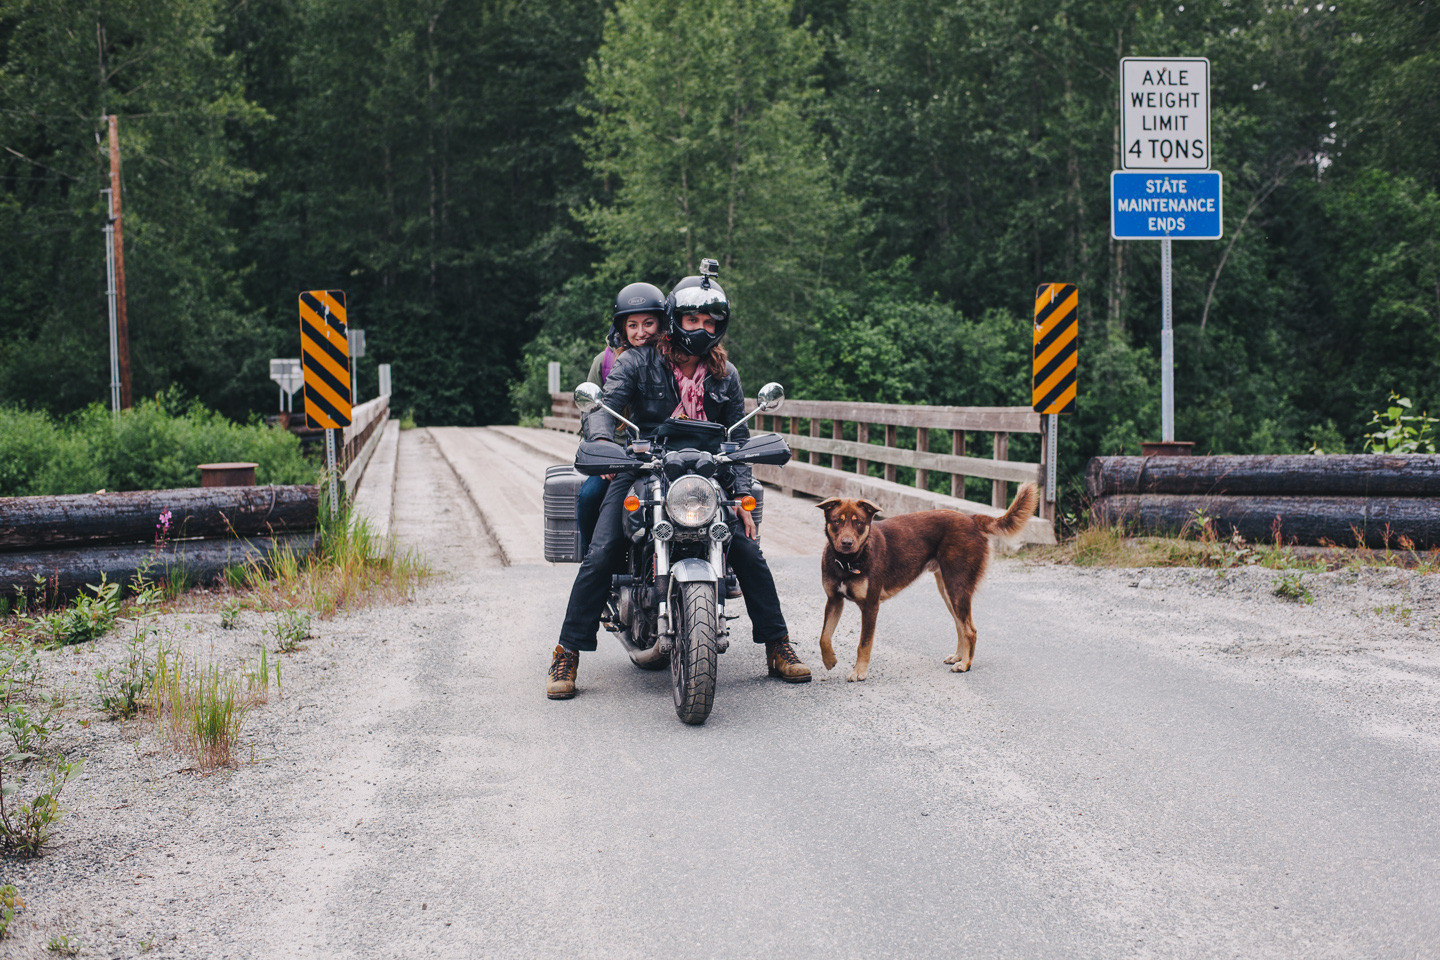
(665, 629)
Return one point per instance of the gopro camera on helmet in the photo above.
(709, 268)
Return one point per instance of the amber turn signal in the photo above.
(632, 503)
(747, 503)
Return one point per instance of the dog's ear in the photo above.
(870, 509)
(827, 504)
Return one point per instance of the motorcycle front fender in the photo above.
(693, 570)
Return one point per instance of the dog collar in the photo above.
(850, 570)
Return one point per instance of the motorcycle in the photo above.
(669, 605)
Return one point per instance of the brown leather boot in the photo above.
(562, 674)
(780, 657)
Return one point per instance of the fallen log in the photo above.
(1345, 521)
(1337, 475)
(52, 575)
(28, 523)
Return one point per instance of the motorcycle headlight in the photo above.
(691, 501)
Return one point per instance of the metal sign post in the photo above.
(356, 338)
(1051, 472)
(1167, 349)
(332, 472)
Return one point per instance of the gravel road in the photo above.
(1143, 763)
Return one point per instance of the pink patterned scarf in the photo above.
(692, 394)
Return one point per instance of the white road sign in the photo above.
(1165, 113)
(288, 374)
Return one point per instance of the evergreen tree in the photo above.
(703, 142)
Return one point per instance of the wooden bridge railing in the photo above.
(883, 445)
(829, 463)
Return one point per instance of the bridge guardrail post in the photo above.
(998, 496)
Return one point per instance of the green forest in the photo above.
(884, 183)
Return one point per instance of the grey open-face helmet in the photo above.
(633, 298)
(697, 295)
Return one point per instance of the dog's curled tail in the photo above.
(1022, 508)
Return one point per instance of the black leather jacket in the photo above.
(644, 381)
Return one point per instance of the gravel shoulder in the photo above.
(1158, 762)
(158, 859)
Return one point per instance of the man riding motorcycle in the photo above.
(685, 374)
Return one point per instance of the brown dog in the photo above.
(869, 561)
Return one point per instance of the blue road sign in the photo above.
(1153, 206)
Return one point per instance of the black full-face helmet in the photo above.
(697, 295)
(633, 298)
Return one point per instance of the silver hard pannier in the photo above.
(562, 514)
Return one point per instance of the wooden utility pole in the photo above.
(122, 327)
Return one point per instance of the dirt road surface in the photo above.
(1171, 763)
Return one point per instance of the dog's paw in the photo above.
(953, 658)
(958, 667)
(828, 659)
(855, 675)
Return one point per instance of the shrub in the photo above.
(10, 904)
(289, 628)
(85, 619)
(156, 445)
(1397, 430)
(63, 945)
(26, 826)
(1289, 586)
(121, 691)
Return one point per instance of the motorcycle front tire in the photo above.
(695, 660)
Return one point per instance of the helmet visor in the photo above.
(701, 300)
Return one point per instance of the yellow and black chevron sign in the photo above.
(1056, 330)
(325, 357)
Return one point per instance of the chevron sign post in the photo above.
(1053, 385)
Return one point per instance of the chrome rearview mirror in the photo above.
(770, 396)
(587, 398)
(766, 400)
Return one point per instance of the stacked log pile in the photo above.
(1349, 500)
(51, 547)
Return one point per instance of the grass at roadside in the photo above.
(353, 566)
(1098, 546)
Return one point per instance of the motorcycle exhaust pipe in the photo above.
(641, 656)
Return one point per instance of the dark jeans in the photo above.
(606, 556)
(592, 494)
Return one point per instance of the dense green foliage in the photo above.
(156, 445)
(884, 182)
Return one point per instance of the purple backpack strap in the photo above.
(606, 363)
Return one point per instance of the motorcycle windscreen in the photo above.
(595, 457)
(766, 448)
